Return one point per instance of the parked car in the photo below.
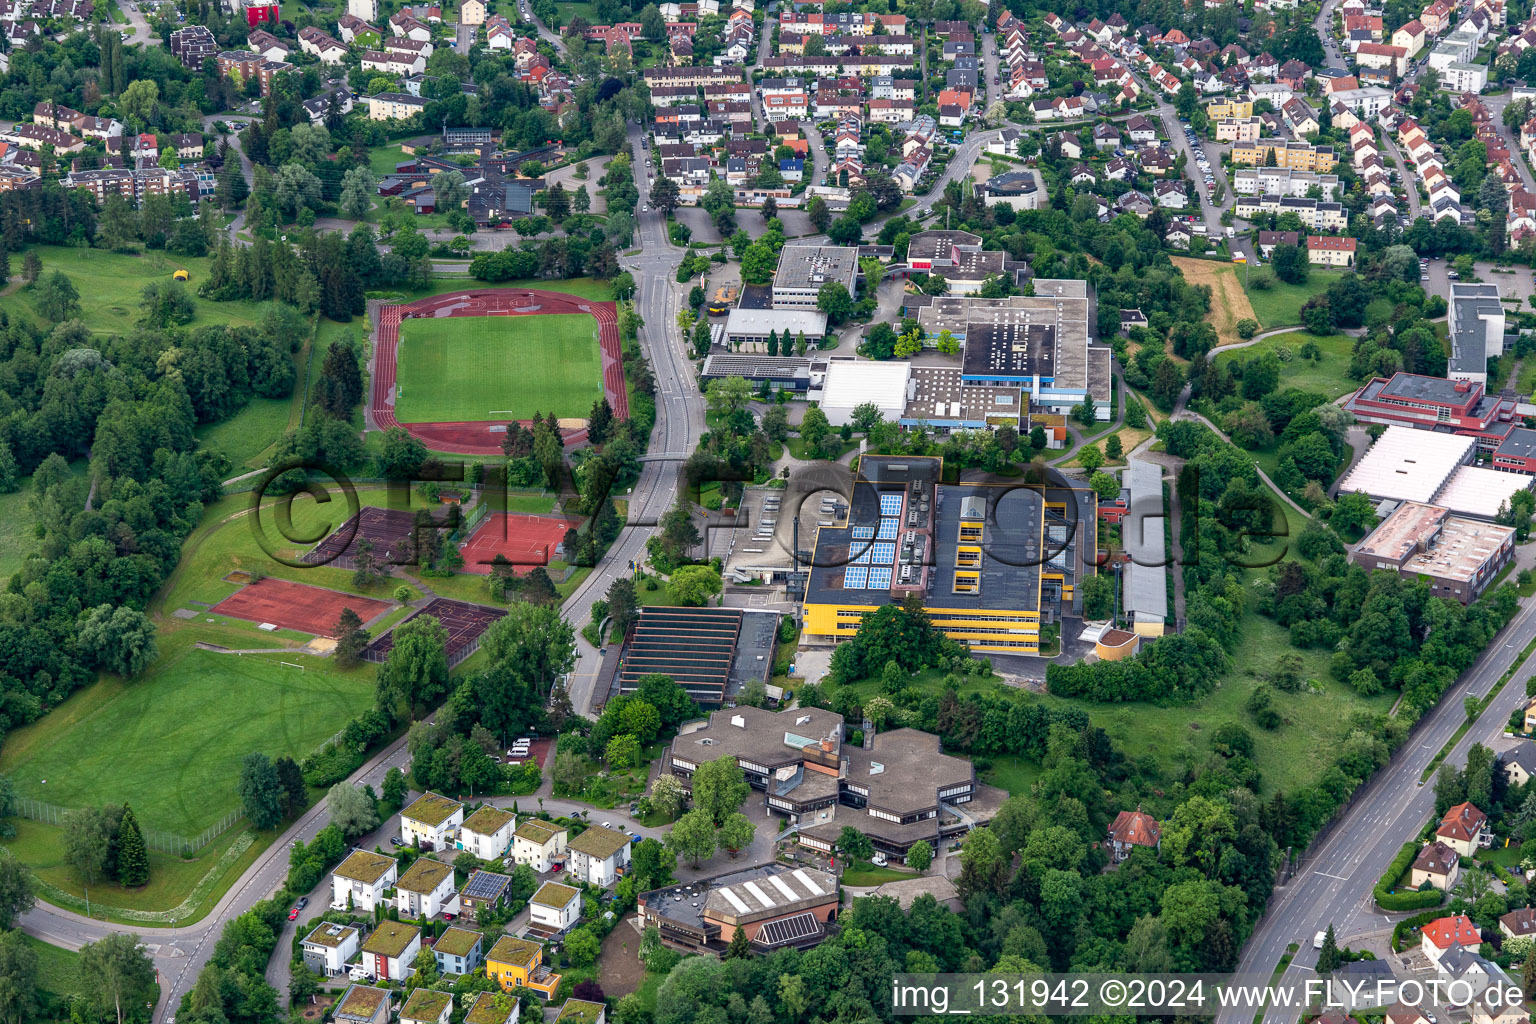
(395, 841)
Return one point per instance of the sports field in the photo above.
(170, 743)
(497, 368)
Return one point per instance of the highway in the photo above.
(179, 953)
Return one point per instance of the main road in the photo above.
(1334, 885)
(179, 953)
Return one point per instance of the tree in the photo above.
(735, 833)
(668, 796)
(582, 947)
(693, 836)
(56, 297)
(415, 672)
(1290, 263)
(664, 195)
(31, 267)
(622, 752)
(740, 948)
(1328, 958)
(87, 838)
(17, 890)
(855, 845)
(719, 787)
(351, 639)
(833, 299)
(727, 394)
(623, 604)
(358, 188)
(394, 787)
(1091, 457)
(693, 585)
(116, 974)
(569, 772)
(1098, 596)
(18, 980)
(351, 810)
(291, 777)
(261, 795)
(920, 856)
(120, 640)
(132, 856)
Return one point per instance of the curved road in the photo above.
(181, 952)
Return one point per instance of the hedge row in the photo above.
(1407, 924)
(1411, 899)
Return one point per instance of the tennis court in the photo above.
(524, 540)
(465, 623)
(296, 606)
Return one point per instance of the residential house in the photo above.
(1131, 829)
(1519, 924)
(363, 1004)
(598, 854)
(483, 892)
(1410, 36)
(517, 963)
(488, 833)
(328, 948)
(581, 1011)
(1437, 864)
(1328, 251)
(1269, 240)
(554, 908)
(472, 12)
(499, 1008)
(394, 106)
(1445, 932)
(424, 889)
(1519, 762)
(1461, 828)
(430, 821)
(359, 881)
(427, 1006)
(459, 950)
(391, 950)
(538, 843)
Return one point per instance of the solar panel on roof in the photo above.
(890, 504)
(883, 553)
(889, 528)
(485, 885)
(880, 577)
(862, 558)
(855, 577)
(863, 532)
(789, 929)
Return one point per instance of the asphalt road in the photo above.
(142, 33)
(1334, 886)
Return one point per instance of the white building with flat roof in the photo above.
(1475, 316)
(854, 382)
(1409, 465)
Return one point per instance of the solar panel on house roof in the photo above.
(889, 528)
(485, 885)
(855, 577)
(890, 504)
(789, 929)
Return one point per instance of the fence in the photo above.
(154, 839)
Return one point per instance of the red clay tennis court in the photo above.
(296, 606)
(525, 541)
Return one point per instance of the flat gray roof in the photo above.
(1146, 579)
(808, 267)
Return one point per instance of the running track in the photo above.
(476, 437)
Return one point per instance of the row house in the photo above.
(899, 111)
(268, 45)
(321, 45)
(697, 77)
(1298, 156)
(671, 95)
(353, 29)
(405, 24)
(393, 63)
(1314, 214)
(36, 136)
(407, 45)
(1060, 109)
(631, 30)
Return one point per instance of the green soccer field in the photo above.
(497, 368)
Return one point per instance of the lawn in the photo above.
(181, 890)
(170, 742)
(486, 368)
(1329, 375)
(586, 287)
(248, 433)
(863, 873)
(572, 10)
(1280, 304)
(109, 285)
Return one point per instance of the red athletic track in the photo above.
(475, 437)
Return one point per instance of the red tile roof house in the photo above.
(1460, 828)
(1444, 932)
(1130, 829)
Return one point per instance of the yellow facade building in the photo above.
(989, 561)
